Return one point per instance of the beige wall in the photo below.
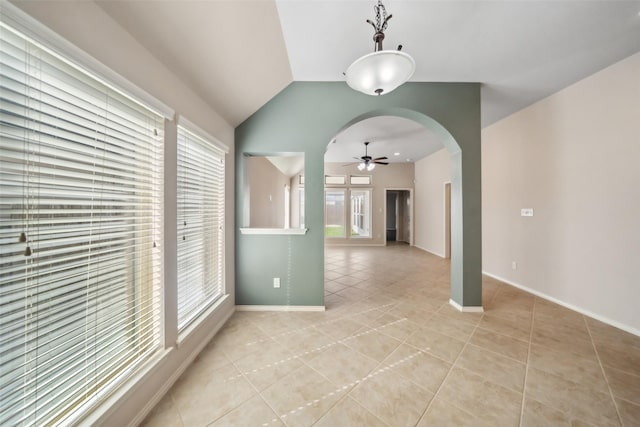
(392, 176)
(88, 27)
(574, 158)
(431, 174)
(266, 187)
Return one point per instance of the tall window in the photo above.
(200, 225)
(360, 213)
(334, 213)
(80, 215)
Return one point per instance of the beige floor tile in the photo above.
(342, 365)
(450, 311)
(392, 398)
(441, 413)
(568, 397)
(501, 370)
(564, 364)
(349, 413)
(235, 342)
(488, 401)
(563, 338)
(418, 315)
(623, 384)
(501, 344)
(368, 316)
(333, 286)
(450, 326)
(610, 336)
(511, 325)
(268, 365)
(559, 328)
(442, 346)
(302, 397)
(373, 344)
(305, 343)
(332, 275)
(551, 312)
(538, 415)
(202, 399)
(212, 357)
(415, 365)
(393, 326)
(629, 412)
(408, 337)
(339, 329)
(254, 412)
(354, 294)
(165, 414)
(626, 359)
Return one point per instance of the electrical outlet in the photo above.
(276, 282)
(514, 265)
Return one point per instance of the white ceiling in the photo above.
(387, 135)
(231, 53)
(238, 54)
(521, 51)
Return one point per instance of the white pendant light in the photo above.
(382, 71)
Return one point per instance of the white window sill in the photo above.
(274, 231)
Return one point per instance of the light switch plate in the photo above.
(526, 212)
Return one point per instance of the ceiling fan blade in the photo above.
(381, 158)
(358, 158)
(350, 164)
(381, 163)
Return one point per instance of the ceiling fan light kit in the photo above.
(382, 71)
(367, 162)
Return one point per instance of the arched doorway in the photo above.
(302, 118)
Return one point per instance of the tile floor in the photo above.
(391, 351)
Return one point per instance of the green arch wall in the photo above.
(303, 118)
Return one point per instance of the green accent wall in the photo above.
(304, 117)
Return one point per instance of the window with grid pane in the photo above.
(200, 225)
(80, 224)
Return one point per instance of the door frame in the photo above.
(411, 213)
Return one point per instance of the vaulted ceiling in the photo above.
(238, 54)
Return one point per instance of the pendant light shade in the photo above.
(380, 72)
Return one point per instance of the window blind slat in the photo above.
(81, 177)
(200, 217)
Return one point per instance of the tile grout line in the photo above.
(349, 386)
(604, 374)
(453, 365)
(526, 370)
(313, 326)
(299, 355)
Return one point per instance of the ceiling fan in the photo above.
(367, 162)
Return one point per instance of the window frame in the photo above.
(344, 212)
(222, 150)
(366, 215)
(58, 49)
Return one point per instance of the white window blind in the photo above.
(200, 225)
(80, 224)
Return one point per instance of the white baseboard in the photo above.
(466, 309)
(157, 397)
(542, 295)
(280, 308)
(428, 251)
